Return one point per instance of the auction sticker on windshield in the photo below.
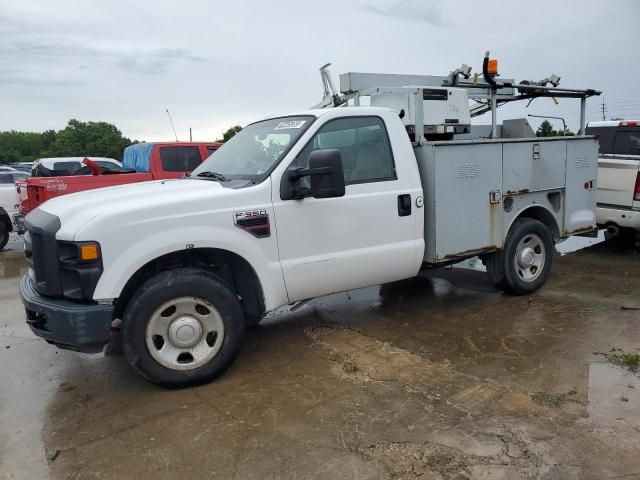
(290, 124)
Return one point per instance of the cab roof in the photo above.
(335, 111)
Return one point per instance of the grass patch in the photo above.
(630, 361)
(554, 400)
(349, 366)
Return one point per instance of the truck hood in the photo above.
(133, 202)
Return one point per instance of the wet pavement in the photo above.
(438, 377)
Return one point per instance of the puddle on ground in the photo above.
(614, 395)
(12, 264)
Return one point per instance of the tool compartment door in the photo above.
(533, 166)
(580, 196)
(468, 207)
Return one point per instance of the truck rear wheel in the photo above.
(527, 256)
(183, 327)
(494, 263)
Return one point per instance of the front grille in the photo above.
(41, 251)
(28, 253)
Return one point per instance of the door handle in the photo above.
(404, 205)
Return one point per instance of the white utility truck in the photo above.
(304, 205)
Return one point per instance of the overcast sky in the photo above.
(215, 64)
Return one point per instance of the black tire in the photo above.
(4, 235)
(523, 229)
(494, 263)
(163, 288)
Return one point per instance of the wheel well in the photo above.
(543, 215)
(234, 270)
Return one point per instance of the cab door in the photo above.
(366, 237)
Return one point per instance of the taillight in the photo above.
(636, 191)
(627, 123)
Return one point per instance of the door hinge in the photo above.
(495, 197)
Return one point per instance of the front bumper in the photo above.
(68, 325)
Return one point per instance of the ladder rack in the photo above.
(488, 94)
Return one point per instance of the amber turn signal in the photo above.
(88, 252)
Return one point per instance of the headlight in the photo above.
(80, 268)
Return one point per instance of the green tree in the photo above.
(19, 146)
(98, 139)
(226, 136)
(546, 130)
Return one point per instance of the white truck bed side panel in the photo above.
(580, 194)
(427, 177)
(533, 166)
(458, 180)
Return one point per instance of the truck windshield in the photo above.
(254, 150)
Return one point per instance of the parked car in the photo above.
(618, 176)
(141, 162)
(22, 166)
(8, 202)
(66, 166)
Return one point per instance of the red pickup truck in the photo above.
(141, 162)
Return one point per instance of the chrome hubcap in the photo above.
(530, 257)
(526, 258)
(184, 333)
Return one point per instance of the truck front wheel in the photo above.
(525, 262)
(4, 234)
(182, 327)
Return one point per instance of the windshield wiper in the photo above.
(214, 175)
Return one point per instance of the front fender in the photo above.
(121, 262)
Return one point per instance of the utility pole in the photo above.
(603, 110)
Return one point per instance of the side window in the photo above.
(363, 144)
(210, 150)
(180, 159)
(67, 168)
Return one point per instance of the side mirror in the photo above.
(326, 178)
